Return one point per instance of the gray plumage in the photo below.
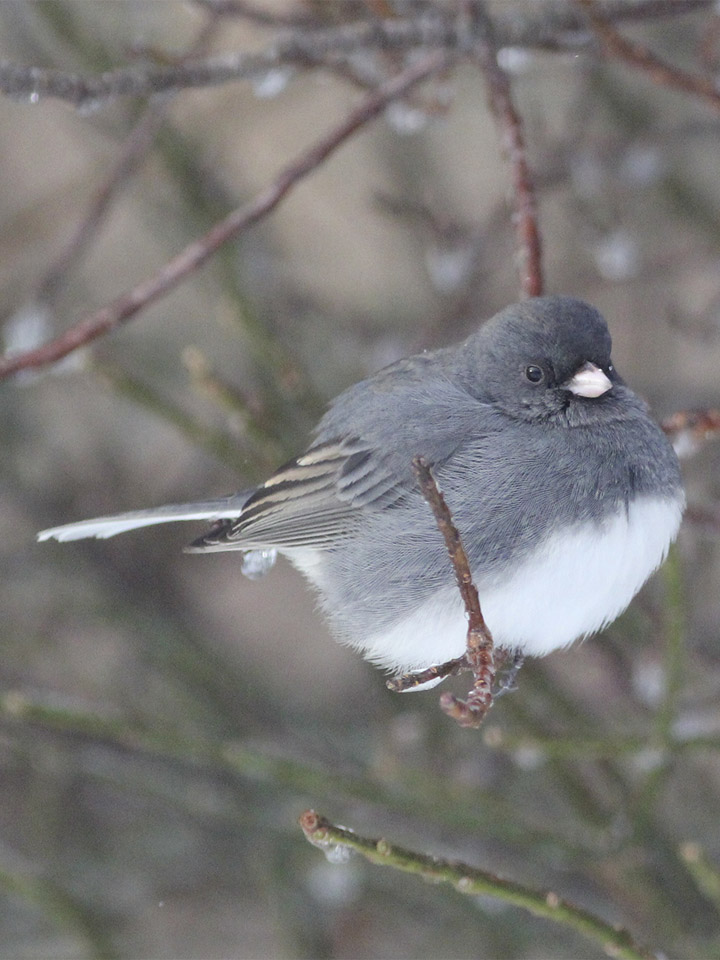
(522, 452)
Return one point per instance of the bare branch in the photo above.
(548, 27)
(434, 31)
(555, 26)
(132, 152)
(139, 140)
(637, 55)
(613, 940)
(480, 648)
(527, 230)
(196, 253)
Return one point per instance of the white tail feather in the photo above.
(104, 527)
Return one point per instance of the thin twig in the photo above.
(563, 27)
(437, 28)
(132, 152)
(473, 882)
(137, 143)
(480, 648)
(437, 31)
(122, 308)
(637, 55)
(527, 230)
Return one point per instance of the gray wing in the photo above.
(362, 462)
(312, 501)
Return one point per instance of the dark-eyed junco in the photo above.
(565, 492)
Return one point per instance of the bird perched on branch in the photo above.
(565, 492)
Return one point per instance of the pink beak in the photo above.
(588, 381)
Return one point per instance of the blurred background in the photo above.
(164, 721)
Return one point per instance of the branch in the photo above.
(563, 27)
(637, 55)
(470, 881)
(436, 31)
(125, 306)
(527, 231)
(480, 649)
(555, 28)
(132, 152)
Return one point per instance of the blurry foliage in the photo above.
(164, 722)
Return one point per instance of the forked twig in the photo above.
(122, 308)
(479, 656)
(132, 153)
(635, 54)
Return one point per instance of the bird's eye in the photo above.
(534, 373)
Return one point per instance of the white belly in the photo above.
(576, 583)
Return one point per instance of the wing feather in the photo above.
(314, 500)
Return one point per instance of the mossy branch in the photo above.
(470, 881)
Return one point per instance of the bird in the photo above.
(565, 492)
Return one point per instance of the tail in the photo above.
(104, 527)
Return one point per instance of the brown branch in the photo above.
(132, 151)
(563, 27)
(525, 218)
(554, 28)
(125, 306)
(480, 648)
(142, 80)
(134, 148)
(340, 841)
(637, 55)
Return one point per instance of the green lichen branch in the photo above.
(615, 941)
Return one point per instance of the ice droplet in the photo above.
(406, 119)
(617, 256)
(449, 266)
(256, 563)
(515, 60)
(337, 853)
(272, 82)
(27, 328)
